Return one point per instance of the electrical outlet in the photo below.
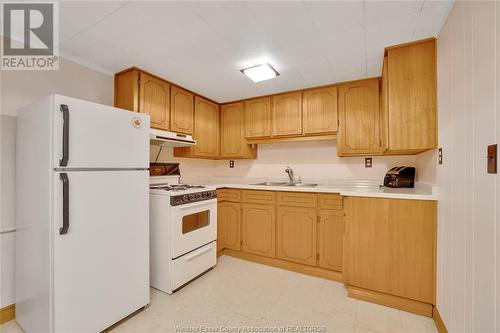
(231, 164)
(368, 162)
(440, 156)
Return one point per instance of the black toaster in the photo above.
(400, 176)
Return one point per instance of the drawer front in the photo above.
(227, 194)
(330, 201)
(298, 199)
(194, 263)
(259, 197)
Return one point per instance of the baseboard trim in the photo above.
(7, 313)
(304, 269)
(401, 303)
(438, 321)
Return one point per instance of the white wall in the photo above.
(315, 160)
(468, 277)
(19, 88)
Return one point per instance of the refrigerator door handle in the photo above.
(64, 229)
(65, 148)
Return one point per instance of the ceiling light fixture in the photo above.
(260, 72)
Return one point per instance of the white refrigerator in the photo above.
(82, 215)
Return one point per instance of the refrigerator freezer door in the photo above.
(90, 135)
(101, 265)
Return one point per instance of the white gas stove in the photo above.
(183, 220)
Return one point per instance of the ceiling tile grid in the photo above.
(203, 45)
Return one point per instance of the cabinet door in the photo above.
(206, 128)
(359, 118)
(296, 229)
(287, 114)
(228, 225)
(390, 246)
(155, 100)
(258, 118)
(233, 143)
(259, 229)
(331, 233)
(412, 97)
(320, 111)
(182, 111)
(384, 108)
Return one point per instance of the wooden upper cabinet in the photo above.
(233, 143)
(181, 110)
(286, 114)
(258, 118)
(127, 90)
(206, 128)
(411, 79)
(390, 246)
(384, 108)
(320, 111)
(359, 132)
(296, 234)
(155, 100)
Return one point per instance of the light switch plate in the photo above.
(492, 158)
(368, 162)
(440, 156)
(231, 164)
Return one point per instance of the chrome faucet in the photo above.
(289, 171)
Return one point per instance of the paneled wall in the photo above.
(468, 279)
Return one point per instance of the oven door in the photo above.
(195, 224)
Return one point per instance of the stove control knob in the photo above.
(191, 197)
(198, 195)
(184, 198)
(210, 194)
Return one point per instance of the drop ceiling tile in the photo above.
(287, 27)
(347, 64)
(336, 16)
(391, 32)
(380, 11)
(76, 16)
(350, 41)
(316, 71)
(432, 18)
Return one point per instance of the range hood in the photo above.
(170, 139)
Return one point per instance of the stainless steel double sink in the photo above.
(286, 184)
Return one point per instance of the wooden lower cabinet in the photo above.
(331, 233)
(296, 234)
(228, 225)
(258, 224)
(390, 246)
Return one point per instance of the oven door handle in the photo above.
(197, 204)
(198, 253)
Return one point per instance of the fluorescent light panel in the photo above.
(260, 72)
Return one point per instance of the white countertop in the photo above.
(359, 188)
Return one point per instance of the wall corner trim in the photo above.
(7, 313)
(438, 321)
